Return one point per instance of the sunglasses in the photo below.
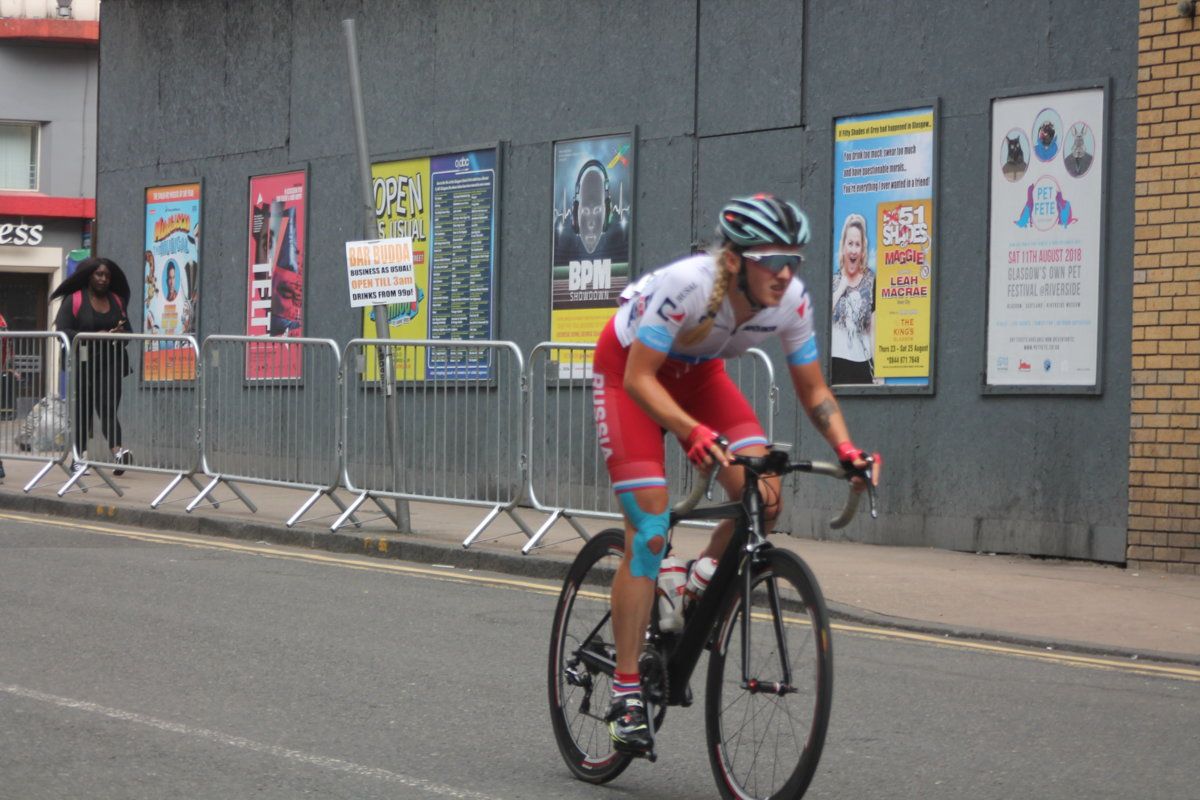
(776, 262)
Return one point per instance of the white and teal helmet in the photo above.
(763, 219)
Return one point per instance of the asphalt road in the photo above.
(135, 665)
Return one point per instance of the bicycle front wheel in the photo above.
(581, 644)
(770, 684)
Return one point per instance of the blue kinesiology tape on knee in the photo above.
(645, 562)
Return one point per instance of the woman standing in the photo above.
(852, 346)
(94, 301)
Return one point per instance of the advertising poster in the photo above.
(883, 236)
(275, 275)
(446, 205)
(171, 280)
(591, 234)
(380, 271)
(75, 257)
(1044, 259)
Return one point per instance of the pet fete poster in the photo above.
(1044, 251)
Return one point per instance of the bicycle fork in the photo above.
(752, 684)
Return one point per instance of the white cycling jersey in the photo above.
(660, 305)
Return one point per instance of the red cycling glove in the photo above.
(847, 454)
(699, 444)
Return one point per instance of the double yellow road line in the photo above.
(1177, 672)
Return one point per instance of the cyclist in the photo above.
(659, 368)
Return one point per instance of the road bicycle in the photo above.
(764, 622)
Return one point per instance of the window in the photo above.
(19, 155)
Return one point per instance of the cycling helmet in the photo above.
(763, 219)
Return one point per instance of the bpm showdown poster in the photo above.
(447, 205)
(591, 235)
(276, 256)
(883, 259)
(171, 280)
(1044, 259)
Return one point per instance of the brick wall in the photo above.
(1164, 464)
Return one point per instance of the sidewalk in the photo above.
(1063, 604)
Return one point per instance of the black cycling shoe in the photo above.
(629, 726)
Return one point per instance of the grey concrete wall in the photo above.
(728, 97)
(56, 86)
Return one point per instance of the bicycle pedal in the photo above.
(635, 752)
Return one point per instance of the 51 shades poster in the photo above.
(883, 249)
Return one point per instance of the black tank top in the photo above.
(92, 321)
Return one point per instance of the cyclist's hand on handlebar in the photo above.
(856, 462)
(704, 446)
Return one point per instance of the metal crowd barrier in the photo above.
(35, 423)
(446, 428)
(467, 423)
(134, 394)
(269, 416)
(567, 476)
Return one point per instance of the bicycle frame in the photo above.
(745, 545)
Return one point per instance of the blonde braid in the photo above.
(720, 287)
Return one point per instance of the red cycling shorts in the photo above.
(632, 442)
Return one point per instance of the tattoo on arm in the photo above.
(822, 413)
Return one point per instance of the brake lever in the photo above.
(712, 476)
(871, 496)
(869, 477)
(712, 479)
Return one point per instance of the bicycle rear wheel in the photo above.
(582, 636)
(766, 728)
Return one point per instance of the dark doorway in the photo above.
(23, 298)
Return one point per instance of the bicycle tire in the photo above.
(577, 711)
(736, 715)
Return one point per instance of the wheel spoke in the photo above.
(749, 699)
(758, 743)
(787, 710)
(746, 716)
